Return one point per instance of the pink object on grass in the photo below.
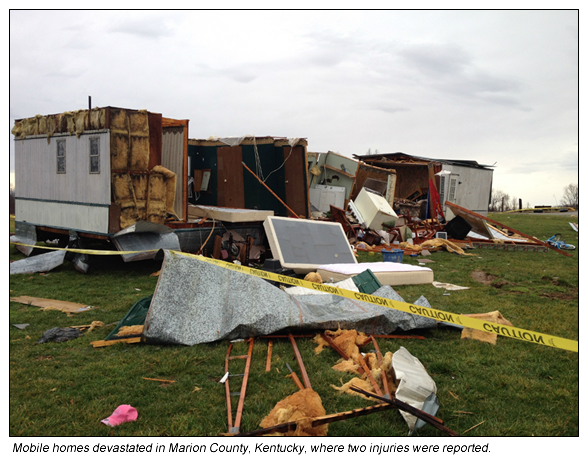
(122, 414)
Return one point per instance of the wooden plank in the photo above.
(323, 420)
(305, 378)
(337, 170)
(381, 361)
(268, 362)
(531, 238)
(430, 419)
(228, 389)
(369, 375)
(240, 405)
(129, 340)
(160, 380)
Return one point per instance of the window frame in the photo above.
(61, 156)
(95, 156)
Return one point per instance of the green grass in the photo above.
(515, 388)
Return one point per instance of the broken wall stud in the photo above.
(369, 375)
(430, 419)
(295, 378)
(381, 362)
(268, 362)
(318, 421)
(305, 378)
(235, 425)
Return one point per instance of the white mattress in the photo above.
(390, 273)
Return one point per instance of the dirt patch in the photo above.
(488, 279)
(572, 295)
(482, 277)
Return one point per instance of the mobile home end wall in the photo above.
(76, 199)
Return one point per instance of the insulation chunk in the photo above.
(302, 406)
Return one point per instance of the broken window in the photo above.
(94, 155)
(61, 156)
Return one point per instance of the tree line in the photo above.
(501, 201)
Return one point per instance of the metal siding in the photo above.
(172, 158)
(88, 218)
(474, 190)
(36, 170)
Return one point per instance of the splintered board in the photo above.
(304, 245)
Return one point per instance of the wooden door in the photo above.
(230, 188)
(295, 179)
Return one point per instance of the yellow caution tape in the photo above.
(86, 251)
(439, 315)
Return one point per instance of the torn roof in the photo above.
(249, 140)
(403, 158)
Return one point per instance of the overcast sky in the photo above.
(498, 87)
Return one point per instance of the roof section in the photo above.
(402, 158)
(214, 141)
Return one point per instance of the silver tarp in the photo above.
(197, 302)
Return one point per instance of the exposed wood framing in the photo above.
(305, 378)
(318, 421)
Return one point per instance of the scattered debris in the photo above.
(160, 380)
(479, 335)
(20, 325)
(301, 407)
(70, 308)
(38, 263)
(122, 414)
(449, 287)
(59, 335)
(415, 384)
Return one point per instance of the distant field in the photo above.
(513, 388)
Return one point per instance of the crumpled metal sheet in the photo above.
(147, 237)
(38, 263)
(197, 302)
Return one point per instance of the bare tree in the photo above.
(571, 196)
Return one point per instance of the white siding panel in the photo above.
(172, 158)
(36, 174)
(88, 218)
(474, 191)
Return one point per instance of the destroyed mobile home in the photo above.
(133, 179)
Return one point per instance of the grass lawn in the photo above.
(513, 388)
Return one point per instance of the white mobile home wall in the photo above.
(467, 187)
(75, 199)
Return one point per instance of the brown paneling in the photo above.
(410, 178)
(155, 139)
(365, 172)
(295, 179)
(231, 191)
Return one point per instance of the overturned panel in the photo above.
(304, 245)
(38, 263)
(230, 215)
(198, 302)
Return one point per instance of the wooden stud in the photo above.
(305, 378)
